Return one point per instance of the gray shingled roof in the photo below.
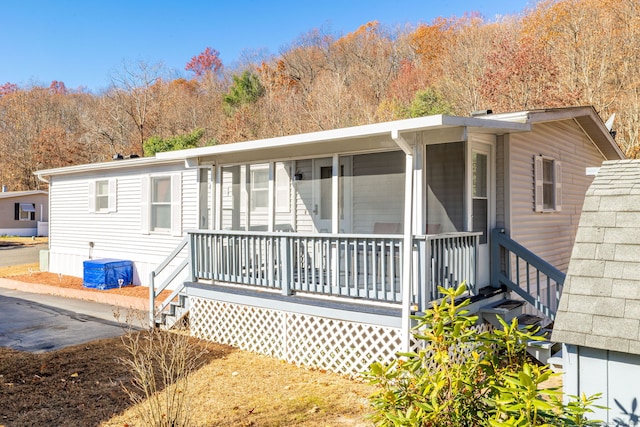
(600, 303)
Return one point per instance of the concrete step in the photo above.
(543, 350)
(507, 309)
(555, 362)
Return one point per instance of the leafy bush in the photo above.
(463, 376)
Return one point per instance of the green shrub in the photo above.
(463, 376)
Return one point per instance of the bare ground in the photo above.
(82, 385)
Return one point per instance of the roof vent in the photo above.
(481, 113)
(132, 156)
(117, 156)
(4, 188)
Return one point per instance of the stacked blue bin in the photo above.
(106, 273)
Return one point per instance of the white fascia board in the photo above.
(10, 194)
(115, 164)
(407, 125)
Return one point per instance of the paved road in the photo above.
(39, 323)
(18, 255)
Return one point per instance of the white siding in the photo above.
(304, 197)
(613, 374)
(114, 234)
(550, 235)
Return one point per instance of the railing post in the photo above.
(284, 266)
(152, 300)
(494, 265)
(191, 265)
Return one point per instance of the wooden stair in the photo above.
(176, 313)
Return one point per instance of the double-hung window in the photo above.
(161, 204)
(548, 184)
(259, 187)
(102, 195)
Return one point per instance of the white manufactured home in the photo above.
(317, 247)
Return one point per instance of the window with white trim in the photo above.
(548, 184)
(24, 212)
(102, 195)
(259, 187)
(161, 204)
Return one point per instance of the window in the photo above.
(161, 204)
(102, 195)
(548, 184)
(24, 212)
(259, 188)
(480, 195)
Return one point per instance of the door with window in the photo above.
(323, 194)
(482, 204)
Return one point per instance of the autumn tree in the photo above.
(136, 91)
(205, 62)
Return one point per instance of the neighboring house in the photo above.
(599, 315)
(24, 213)
(335, 237)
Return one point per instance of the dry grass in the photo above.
(81, 385)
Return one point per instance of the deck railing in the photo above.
(523, 272)
(352, 265)
(444, 260)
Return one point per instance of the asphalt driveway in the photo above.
(38, 323)
(18, 255)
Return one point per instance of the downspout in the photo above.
(408, 239)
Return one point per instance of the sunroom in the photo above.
(378, 216)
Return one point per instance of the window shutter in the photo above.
(112, 195)
(176, 204)
(538, 183)
(92, 196)
(32, 215)
(558, 183)
(145, 208)
(16, 211)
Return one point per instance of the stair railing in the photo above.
(154, 291)
(521, 271)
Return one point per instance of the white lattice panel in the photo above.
(249, 328)
(336, 345)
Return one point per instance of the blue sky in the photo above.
(83, 43)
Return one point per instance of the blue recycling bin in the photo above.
(105, 273)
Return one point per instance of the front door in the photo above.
(482, 204)
(324, 197)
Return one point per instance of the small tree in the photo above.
(156, 144)
(462, 376)
(245, 89)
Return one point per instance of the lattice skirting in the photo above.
(336, 345)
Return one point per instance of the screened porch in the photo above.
(335, 226)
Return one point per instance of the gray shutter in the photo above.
(112, 195)
(32, 215)
(558, 183)
(176, 204)
(538, 183)
(16, 211)
(92, 196)
(145, 208)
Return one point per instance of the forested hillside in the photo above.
(559, 53)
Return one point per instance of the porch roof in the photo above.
(378, 136)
